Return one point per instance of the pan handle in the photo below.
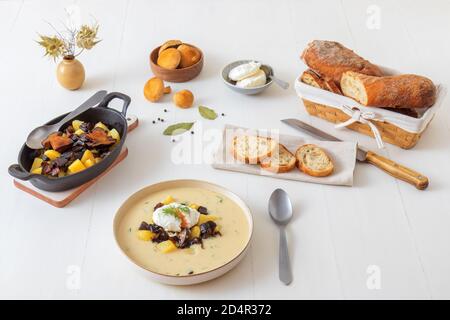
(17, 172)
(110, 96)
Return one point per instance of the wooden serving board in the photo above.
(63, 198)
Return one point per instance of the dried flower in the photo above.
(71, 41)
(54, 46)
(87, 37)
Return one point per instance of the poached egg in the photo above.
(175, 216)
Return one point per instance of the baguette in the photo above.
(331, 59)
(314, 161)
(281, 161)
(252, 149)
(313, 79)
(403, 91)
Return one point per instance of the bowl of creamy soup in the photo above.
(183, 232)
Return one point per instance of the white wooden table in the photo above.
(341, 239)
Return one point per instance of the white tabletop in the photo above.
(342, 240)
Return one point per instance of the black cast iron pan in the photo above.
(109, 116)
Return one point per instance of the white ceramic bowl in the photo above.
(185, 279)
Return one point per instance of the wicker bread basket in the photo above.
(389, 132)
(394, 128)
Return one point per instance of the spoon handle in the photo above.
(89, 103)
(281, 83)
(285, 272)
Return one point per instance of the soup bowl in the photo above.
(143, 255)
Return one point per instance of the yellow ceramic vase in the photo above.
(70, 73)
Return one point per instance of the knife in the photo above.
(391, 167)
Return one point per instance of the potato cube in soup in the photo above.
(166, 246)
(195, 232)
(168, 200)
(206, 217)
(113, 133)
(87, 155)
(52, 154)
(76, 124)
(37, 162)
(102, 126)
(194, 206)
(75, 167)
(145, 235)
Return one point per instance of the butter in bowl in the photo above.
(250, 77)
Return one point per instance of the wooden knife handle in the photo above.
(398, 171)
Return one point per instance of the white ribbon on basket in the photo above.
(365, 117)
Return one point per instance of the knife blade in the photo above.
(361, 153)
(389, 166)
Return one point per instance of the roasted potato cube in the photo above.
(37, 162)
(145, 235)
(102, 126)
(52, 154)
(206, 217)
(97, 160)
(195, 232)
(113, 133)
(79, 132)
(75, 167)
(87, 155)
(76, 124)
(167, 200)
(166, 246)
(89, 163)
(37, 171)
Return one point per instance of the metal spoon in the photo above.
(269, 73)
(35, 138)
(280, 210)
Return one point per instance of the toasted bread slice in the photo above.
(252, 149)
(282, 160)
(314, 161)
(313, 79)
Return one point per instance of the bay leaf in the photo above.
(178, 128)
(207, 113)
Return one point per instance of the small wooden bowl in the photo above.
(176, 75)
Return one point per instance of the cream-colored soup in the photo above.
(216, 251)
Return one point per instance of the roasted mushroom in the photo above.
(202, 210)
(208, 229)
(99, 137)
(57, 142)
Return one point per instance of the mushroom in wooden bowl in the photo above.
(175, 61)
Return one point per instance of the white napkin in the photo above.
(343, 155)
